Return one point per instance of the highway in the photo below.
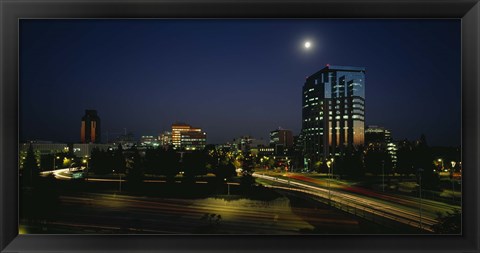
(428, 206)
(66, 174)
(63, 174)
(405, 210)
(122, 213)
(356, 200)
(108, 212)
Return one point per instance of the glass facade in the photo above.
(333, 113)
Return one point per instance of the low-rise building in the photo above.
(149, 141)
(186, 137)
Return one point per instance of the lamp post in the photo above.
(330, 174)
(54, 161)
(86, 162)
(228, 186)
(383, 175)
(333, 167)
(440, 160)
(328, 185)
(452, 179)
(71, 166)
(420, 170)
(119, 181)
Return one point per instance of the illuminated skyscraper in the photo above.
(333, 113)
(282, 137)
(379, 138)
(90, 131)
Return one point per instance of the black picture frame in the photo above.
(13, 10)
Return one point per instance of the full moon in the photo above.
(308, 44)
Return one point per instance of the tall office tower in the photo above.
(90, 131)
(380, 139)
(376, 137)
(187, 137)
(333, 113)
(282, 137)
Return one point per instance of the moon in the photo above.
(307, 44)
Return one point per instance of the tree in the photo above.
(451, 223)
(118, 158)
(212, 159)
(46, 162)
(41, 203)
(321, 166)
(423, 159)
(405, 163)
(151, 155)
(135, 170)
(248, 163)
(349, 164)
(378, 162)
(247, 180)
(31, 171)
(225, 170)
(170, 164)
(100, 162)
(194, 164)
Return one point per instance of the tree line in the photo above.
(162, 162)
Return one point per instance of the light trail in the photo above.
(430, 206)
(177, 215)
(361, 203)
(105, 180)
(59, 173)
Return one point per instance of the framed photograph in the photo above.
(346, 126)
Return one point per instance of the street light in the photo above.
(228, 186)
(383, 175)
(70, 166)
(86, 162)
(54, 161)
(333, 166)
(119, 181)
(330, 172)
(420, 170)
(440, 160)
(452, 179)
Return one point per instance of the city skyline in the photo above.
(228, 94)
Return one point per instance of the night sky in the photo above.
(233, 77)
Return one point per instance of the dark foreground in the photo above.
(98, 208)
